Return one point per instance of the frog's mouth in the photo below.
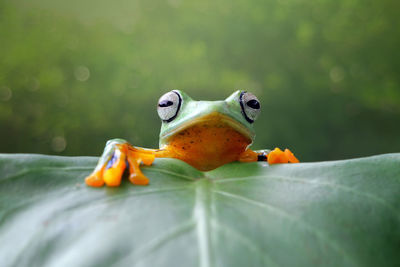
(212, 120)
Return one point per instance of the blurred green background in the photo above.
(74, 74)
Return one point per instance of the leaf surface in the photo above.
(339, 213)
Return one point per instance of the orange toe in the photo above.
(138, 179)
(95, 179)
(290, 156)
(277, 156)
(112, 176)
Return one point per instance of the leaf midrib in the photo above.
(201, 214)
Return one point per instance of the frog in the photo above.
(204, 134)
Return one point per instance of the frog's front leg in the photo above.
(273, 157)
(116, 156)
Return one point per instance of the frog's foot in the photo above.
(279, 156)
(135, 157)
(112, 164)
(110, 168)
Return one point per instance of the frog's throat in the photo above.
(212, 118)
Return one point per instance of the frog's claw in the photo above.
(112, 164)
(279, 156)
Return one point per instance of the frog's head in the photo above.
(179, 112)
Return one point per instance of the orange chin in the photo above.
(207, 145)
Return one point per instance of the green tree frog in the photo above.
(204, 134)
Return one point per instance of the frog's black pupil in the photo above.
(165, 103)
(253, 104)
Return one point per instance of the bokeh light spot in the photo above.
(174, 3)
(5, 93)
(34, 85)
(82, 73)
(336, 74)
(58, 144)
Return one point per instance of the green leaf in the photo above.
(340, 213)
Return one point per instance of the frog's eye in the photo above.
(250, 106)
(169, 105)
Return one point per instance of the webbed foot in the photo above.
(279, 156)
(117, 155)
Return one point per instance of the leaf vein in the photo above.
(245, 240)
(186, 177)
(155, 243)
(201, 214)
(319, 183)
(33, 170)
(297, 221)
